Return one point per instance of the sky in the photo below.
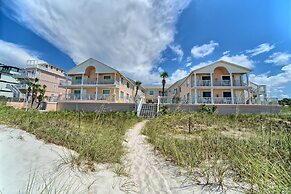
(143, 38)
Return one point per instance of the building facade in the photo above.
(93, 80)
(47, 74)
(221, 83)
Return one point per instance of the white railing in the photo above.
(93, 82)
(222, 83)
(141, 101)
(222, 100)
(88, 97)
(206, 100)
(203, 83)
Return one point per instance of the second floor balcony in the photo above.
(93, 81)
(200, 83)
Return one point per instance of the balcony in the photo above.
(88, 97)
(220, 83)
(25, 75)
(91, 82)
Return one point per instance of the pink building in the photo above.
(47, 74)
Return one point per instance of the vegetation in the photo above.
(285, 102)
(164, 75)
(252, 149)
(97, 137)
(37, 92)
(207, 109)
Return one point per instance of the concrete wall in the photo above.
(230, 109)
(91, 106)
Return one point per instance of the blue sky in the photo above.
(143, 38)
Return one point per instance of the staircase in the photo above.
(148, 110)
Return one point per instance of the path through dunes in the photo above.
(151, 173)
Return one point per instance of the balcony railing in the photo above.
(25, 75)
(220, 83)
(93, 82)
(88, 97)
(22, 86)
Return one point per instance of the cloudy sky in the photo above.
(142, 38)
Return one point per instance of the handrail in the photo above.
(139, 106)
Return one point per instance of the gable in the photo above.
(232, 68)
(100, 67)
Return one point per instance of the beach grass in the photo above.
(253, 149)
(95, 136)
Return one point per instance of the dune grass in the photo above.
(252, 149)
(97, 137)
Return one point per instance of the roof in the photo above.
(100, 68)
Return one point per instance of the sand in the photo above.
(25, 159)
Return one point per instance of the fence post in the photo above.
(189, 124)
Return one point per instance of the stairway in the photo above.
(148, 110)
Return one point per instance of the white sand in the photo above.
(152, 174)
(23, 157)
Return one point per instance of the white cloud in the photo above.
(279, 58)
(203, 50)
(262, 48)
(226, 52)
(188, 64)
(239, 59)
(177, 75)
(16, 55)
(275, 83)
(188, 59)
(128, 35)
(178, 51)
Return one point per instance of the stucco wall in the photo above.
(91, 106)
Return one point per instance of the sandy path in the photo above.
(150, 172)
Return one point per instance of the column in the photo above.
(231, 80)
(212, 98)
(248, 81)
(232, 96)
(97, 77)
(211, 79)
(81, 93)
(82, 79)
(195, 80)
(96, 93)
(195, 96)
(114, 92)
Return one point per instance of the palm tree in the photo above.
(137, 85)
(164, 75)
(41, 95)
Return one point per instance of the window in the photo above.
(121, 94)
(227, 94)
(106, 77)
(105, 92)
(127, 96)
(78, 78)
(127, 84)
(206, 94)
(55, 87)
(122, 80)
(151, 92)
(77, 92)
(225, 77)
(205, 77)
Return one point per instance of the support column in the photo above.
(97, 77)
(81, 93)
(211, 79)
(114, 92)
(231, 79)
(232, 96)
(195, 79)
(82, 79)
(195, 96)
(96, 94)
(212, 98)
(248, 80)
